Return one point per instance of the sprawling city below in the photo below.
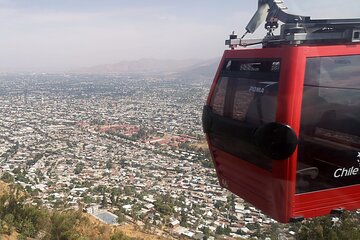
(126, 148)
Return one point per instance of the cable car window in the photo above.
(337, 72)
(218, 99)
(242, 100)
(329, 146)
(249, 100)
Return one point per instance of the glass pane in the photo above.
(255, 101)
(242, 101)
(246, 97)
(343, 71)
(329, 147)
(218, 99)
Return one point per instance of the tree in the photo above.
(183, 218)
(121, 217)
(128, 190)
(104, 202)
(38, 156)
(22, 237)
(113, 198)
(207, 163)
(147, 224)
(109, 164)
(7, 177)
(78, 168)
(206, 232)
(164, 208)
(223, 230)
(63, 225)
(100, 189)
(219, 204)
(346, 226)
(119, 235)
(39, 174)
(9, 219)
(88, 199)
(219, 230)
(28, 228)
(28, 220)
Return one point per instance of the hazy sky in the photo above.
(50, 35)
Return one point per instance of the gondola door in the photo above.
(328, 165)
(244, 98)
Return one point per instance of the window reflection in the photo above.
(330, 124)
(245, 97)
(218, 100)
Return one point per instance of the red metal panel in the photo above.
(253, 184)
(258, 53)
(335, 50)
(288, 112)
(322, 202)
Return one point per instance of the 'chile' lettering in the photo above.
(343, 172)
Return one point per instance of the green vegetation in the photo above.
(223, 230)
(37, 157)
(120, 236)
(79, 167)
(342, 227)
(7, 177)
(346, 226)
(165, 205)
(15, 215)
(40, 223)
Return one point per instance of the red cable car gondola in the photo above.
(283, 122)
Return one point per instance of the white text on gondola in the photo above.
(345, 172)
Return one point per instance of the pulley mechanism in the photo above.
(297, 29)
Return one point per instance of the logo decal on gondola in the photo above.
(253, 89)
(345, 172)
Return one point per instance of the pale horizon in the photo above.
(48, 36)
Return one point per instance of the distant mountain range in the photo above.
(188, 68)
(204, 70)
